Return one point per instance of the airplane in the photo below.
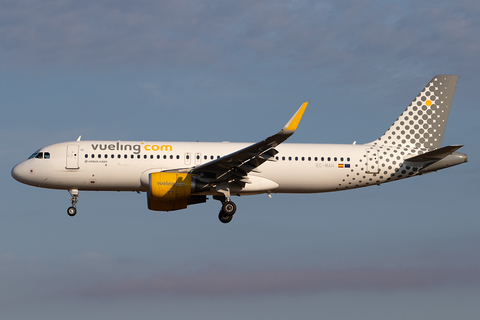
(178, 174)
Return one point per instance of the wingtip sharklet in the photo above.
(292, 125)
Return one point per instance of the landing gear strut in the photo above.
(71, 211)
(228, 209)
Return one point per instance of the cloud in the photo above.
(221, 283)
(300, 35)
(94, 275)
(94, 33)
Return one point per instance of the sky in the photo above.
(189, 70)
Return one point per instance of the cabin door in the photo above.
(72, 157)
(372, 161)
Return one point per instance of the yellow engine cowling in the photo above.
(169, 191)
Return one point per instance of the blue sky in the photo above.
(228, 70)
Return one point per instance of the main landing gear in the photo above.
(228, 209)
(71, 211)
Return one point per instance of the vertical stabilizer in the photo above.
(422, 124)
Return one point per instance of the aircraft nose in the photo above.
(18, 172)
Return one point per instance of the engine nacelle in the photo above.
(170, 191)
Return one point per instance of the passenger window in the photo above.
(119, 156)
(125, 156)
(328, 159)
(205, 157)
(335, 159)
(151, 156)
(348, 159)
(112, 156)
(171, 156)
(132, 156)
(283, 158)
(309, 158)
(86, 155)
(144, 156)
(178, 157)
(138, 156)
(93, 156)
(341, 159)
(303, 158)
(164, 156)
(158, 156)
(316, 159)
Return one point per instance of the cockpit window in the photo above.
(40, 155)
(34, 154)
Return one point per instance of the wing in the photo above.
(234, 167)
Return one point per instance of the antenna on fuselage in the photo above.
(79, 137)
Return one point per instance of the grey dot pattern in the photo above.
(419, 129)
(422, 124)
(391, 167)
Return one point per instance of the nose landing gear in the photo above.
(71, 211)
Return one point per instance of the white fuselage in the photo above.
(125, 165)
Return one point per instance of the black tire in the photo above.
(72, 211)
(224, 218)
(229, 208)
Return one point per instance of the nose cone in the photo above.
(18, 172)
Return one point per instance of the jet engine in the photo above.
(170, 191)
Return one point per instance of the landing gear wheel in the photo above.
(72, 211)
(229, 208)
(224, 218)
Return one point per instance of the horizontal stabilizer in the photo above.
(435, 155)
